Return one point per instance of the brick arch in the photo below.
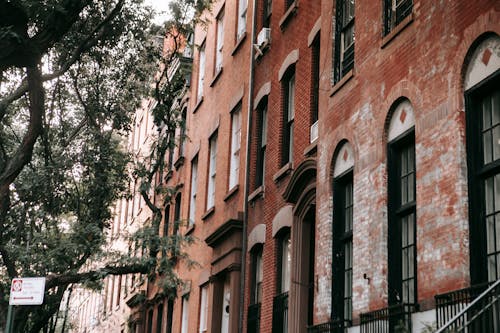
(402, 90)
(314, 32)
(487, 23)
(469, 62)
(336, 155)
(282, 219)
(290, 60)
(257, 236)
(346, 135)
(264, 90)
(304, 174)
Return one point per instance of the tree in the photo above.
(72, 73)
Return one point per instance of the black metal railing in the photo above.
(472, 310)
(448, 305)
(253, 318)
(280, 313)
(393, 319)
(337, 326)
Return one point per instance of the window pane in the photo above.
(486, 113)
(489, 195)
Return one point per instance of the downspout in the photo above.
(247, 170)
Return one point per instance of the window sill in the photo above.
(290, 12)
(258, 193)
(190, 229)
(231, 192)
(311, 149)
(216, 77)
(285, 170)
(179, 162)
(197, 106)
(208, 213)
(396, 30)
(238, 43)
(342, 82)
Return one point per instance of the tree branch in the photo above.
(90, 41)
(23, 154)
(95, 275)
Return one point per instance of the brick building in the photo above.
(369, 196)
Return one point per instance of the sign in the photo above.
(27, 291)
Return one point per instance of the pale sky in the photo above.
(160, 6)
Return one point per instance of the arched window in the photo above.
(482, 97)
(402, 205)
(342, 235)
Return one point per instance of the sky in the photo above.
(160, 6)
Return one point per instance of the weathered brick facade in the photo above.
(407, 81)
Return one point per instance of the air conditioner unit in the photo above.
(314, 132)
(264, 37)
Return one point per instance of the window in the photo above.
(315, 49)
(212, 171)
(201, 72)
(262, 142)
(166, 223)
(344, 39)
(242, 19)
(257, 275)
(267, 6)
(194, 187)
(285, 261)
(395, 12)
(185, 314)
(402, 219)
(235, 147)
(253, 322)
(203, 309)
(342, 247)
(220, 42)
(280, 301)
(483, 152)
(159, 318)
(289, 114)
(150, 321)
(182, 139)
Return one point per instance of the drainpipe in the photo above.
(247, 170)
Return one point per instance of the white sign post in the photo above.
(27, 291)
(24, 291)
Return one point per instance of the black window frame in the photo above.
(478, 172)
(315, 77)
(341, 238)
(395, 13)
(267, 10)
(288, 119)
(396, 211)
(260, 160)
(343, 59)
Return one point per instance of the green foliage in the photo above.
(97, 60)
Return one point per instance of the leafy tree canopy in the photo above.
(72, 74)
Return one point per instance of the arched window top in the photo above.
(257, 236)
(290, 60)
(484, 60)
(402, 119)
(344, 159)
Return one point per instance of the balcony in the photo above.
(393, 319)
(280, 313)
(254, 318)
(337, 326)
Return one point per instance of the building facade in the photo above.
(339, 171)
